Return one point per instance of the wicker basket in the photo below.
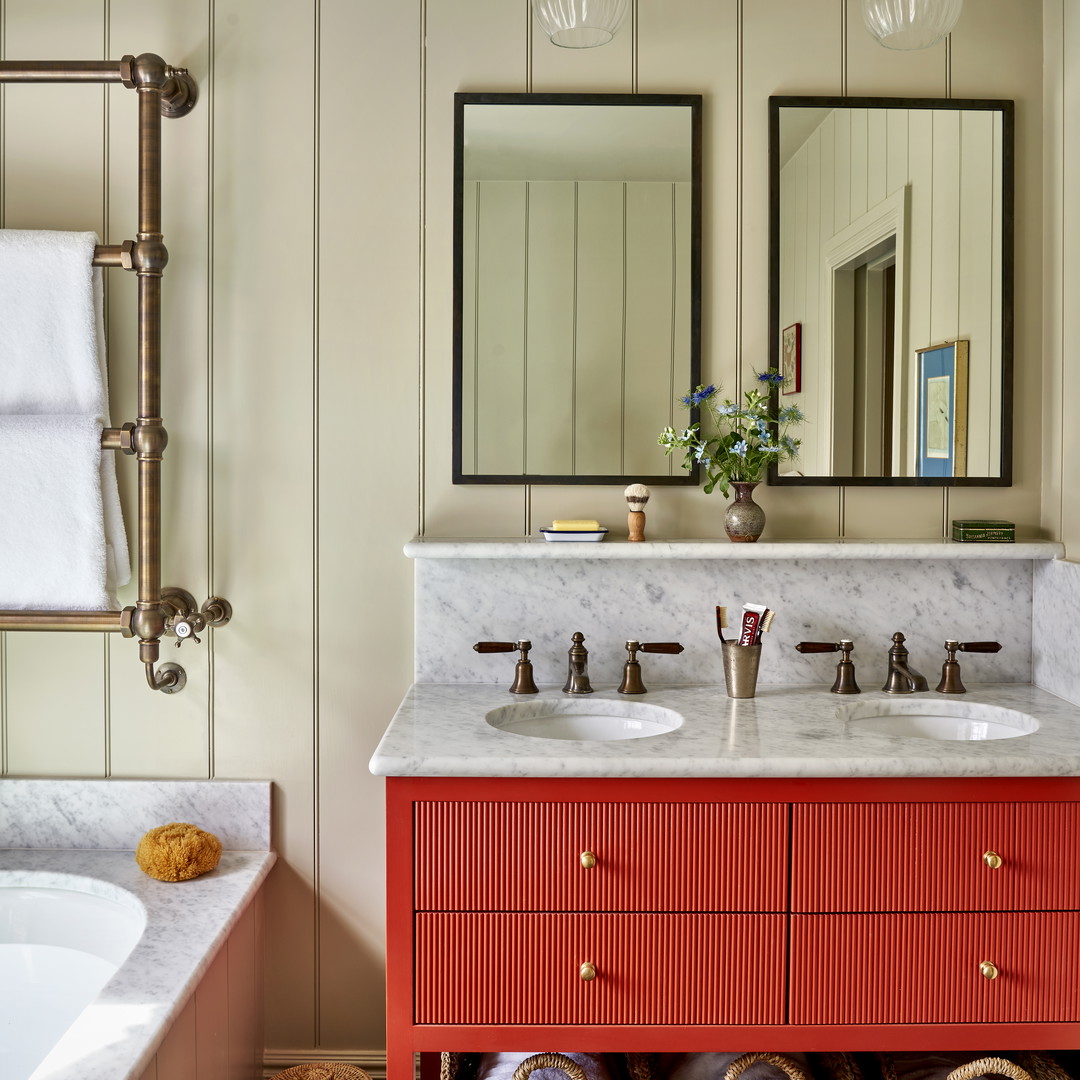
(647, 1067)
(982, 1066)
(454, 1066)
(328, 1070)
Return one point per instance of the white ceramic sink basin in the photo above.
(584, 719)
(926, 718)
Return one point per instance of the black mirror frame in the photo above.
(694, 102)
(1007, 109)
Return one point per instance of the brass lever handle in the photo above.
(987, 970)
(588, 972)
(523, 672)
(588, 860)
(992, 859)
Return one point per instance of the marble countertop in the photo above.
(186, 923)
(528, 547)
(785, 731)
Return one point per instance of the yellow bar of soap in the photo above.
(575, 525)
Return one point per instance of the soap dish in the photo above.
(564, 534)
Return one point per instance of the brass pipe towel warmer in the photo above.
(170, 92)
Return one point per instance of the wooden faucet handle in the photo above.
(495, 646)
(662, 647)
(817, 646)
(980, 646)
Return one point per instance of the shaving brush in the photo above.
(637, 495)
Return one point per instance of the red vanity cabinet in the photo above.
(712, 914)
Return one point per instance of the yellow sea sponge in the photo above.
(177, 852)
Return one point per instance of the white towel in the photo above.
(53, 376)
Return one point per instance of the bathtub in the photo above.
(98, 962)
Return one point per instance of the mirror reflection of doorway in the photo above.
(874, 318)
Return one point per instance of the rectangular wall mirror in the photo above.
(891, 271)
(577, 285)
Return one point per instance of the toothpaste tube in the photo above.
(751, 620)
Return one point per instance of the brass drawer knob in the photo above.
(588, 972)
(988, 970)
(588, 860)
(992, 859)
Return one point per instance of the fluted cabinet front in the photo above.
(496, 968)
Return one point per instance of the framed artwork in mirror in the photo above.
(943, 409)
(791, 359)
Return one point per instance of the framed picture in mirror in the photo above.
(943, 409)
(791, 359)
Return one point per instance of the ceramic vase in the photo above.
(744, 520)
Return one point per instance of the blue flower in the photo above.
(740, 448)
(791, 415)
(789, 444)
(763, 429)
(688, 400)
(702, 393)
(772, 376)
(729, 408)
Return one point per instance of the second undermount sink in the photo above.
(950, 721)
(584, 719)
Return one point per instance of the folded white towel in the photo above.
(52, 519)
(52, 364)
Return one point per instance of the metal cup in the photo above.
(740, 668)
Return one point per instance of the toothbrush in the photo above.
(721, 621)
(766, 622)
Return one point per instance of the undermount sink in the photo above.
(950, 721)
(584, 719)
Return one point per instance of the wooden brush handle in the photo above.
(635, 520)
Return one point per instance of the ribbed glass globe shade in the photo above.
(910, 24)
(580, 24)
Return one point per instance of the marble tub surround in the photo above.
(1056, 628)
(114, 814)
(115, 1038)
(785, 731)
(462, 598)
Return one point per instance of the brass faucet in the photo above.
(902, 678)
(577, 678)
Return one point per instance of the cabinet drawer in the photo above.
(649, 969)
(925, 969)
(509, 856)
(930, 857)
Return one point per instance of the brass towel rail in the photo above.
(161, 91)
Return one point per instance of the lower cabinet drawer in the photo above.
(505, 968)
(928, 968)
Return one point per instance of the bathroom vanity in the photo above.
(771, 873)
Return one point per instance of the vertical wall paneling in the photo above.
(476, 46)
(1057, 223)
(53, 179)
(176, 1058)
(181, 743)
(1015, 72)
(369, 341)
(264, 497)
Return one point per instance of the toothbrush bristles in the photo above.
(767, 621)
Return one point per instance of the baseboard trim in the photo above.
(373, 1062)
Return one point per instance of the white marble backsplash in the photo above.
(114, 814)
(463, 600)
(1056, 629)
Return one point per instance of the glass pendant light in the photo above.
(580, 24)
(910, 24)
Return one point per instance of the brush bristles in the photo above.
(637, 495)
(767, 621)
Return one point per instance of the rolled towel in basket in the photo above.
(60, 520)
(502, 1066)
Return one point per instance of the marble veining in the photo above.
(530, 547)
(116, 1036)
(463, 600)
(1056, 628)
(114, 814)
(786, 731)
